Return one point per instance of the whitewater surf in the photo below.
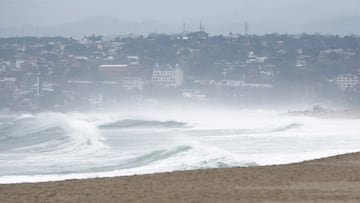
(58, 146)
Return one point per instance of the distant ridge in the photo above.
(108, 25)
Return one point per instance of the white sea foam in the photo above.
(57, 146)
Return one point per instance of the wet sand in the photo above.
(335, 179)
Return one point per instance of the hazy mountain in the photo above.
(76, 18)
(103, 25)
(342, 26)
(113, 26)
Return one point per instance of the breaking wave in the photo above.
(237, 132)
(51, 132)
(58, 146)
(129, 123)
(288, 127)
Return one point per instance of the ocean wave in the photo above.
(143, 160)
(221, 162)
(182, 157)
(132, 123)
(48, 132)
(237, 132)
(58, 146)
(287, 127)
(156, 156)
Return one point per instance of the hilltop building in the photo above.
(301, 59)
(8, 83)
(119, 71)
(133, 83)
(253, 59)
(168, 76)
(347, 81)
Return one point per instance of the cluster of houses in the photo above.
(95, 68)
(133, 77)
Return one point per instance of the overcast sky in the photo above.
(53, 12)
(220, 16)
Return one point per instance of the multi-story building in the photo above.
(133, 83)
(347, 81)
(301, 60)
(118, 72)
(8, 84)
(253, 59)
(168, 76)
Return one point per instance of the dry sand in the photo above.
(335, 179)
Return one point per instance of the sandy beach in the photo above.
(334, 179)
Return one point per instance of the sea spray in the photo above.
(57, 146)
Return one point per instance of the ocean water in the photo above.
(53, 146)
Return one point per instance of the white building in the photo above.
(347, 81)
(133, 83)
(253, 59)
(133, 60)
(168, 77)
(195, 95)
(19, 64)
(301, 62)
(113, 68)
(335, 54)
(301, 59)
(231, 83)
(242, 84)
(8, 83)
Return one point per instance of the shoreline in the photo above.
(333, 179)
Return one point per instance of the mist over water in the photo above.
(56, 146)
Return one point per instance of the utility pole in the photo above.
(202, 28)
(38, 86)
(246, 28)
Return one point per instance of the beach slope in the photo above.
(334, 179)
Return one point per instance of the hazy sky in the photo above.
(107, 17)
(53, 12)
